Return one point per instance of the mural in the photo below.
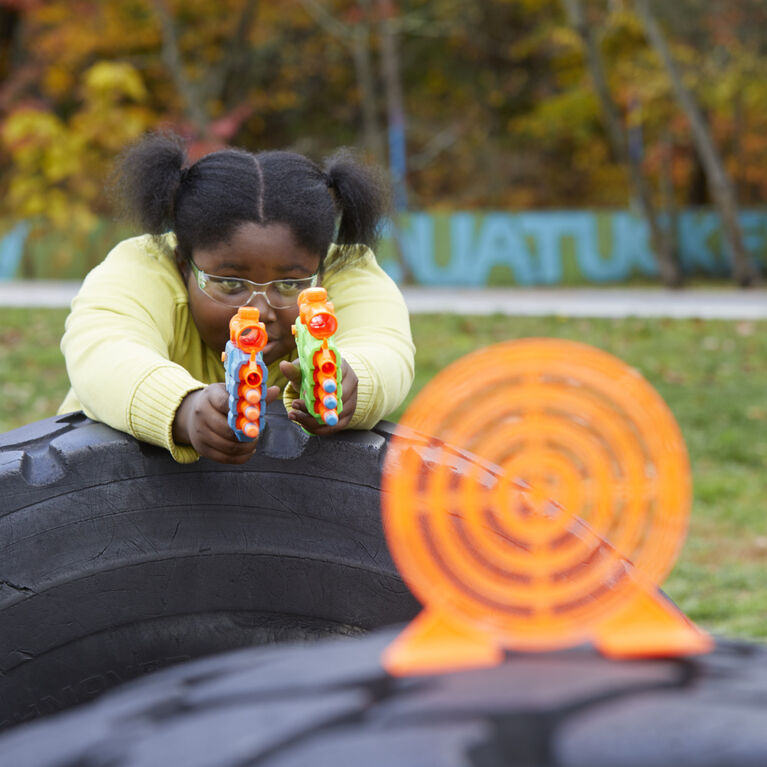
(36, 251)
(462, 249)
(12, 250)
(553, 247)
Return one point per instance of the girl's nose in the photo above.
(265, 310)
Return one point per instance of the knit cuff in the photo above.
(153, 407)
(364, 391)
(289, 394)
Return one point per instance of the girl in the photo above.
(144, 339)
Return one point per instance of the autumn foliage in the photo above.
(499, 108)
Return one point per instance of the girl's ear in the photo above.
(182, 264)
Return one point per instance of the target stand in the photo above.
(549, 502)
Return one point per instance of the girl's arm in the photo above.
(117, 346)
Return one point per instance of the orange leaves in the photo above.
(500, 108)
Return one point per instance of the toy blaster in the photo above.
(318, 356)
(245, 373)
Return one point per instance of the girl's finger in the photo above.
(302, 418)
(224, 446)
(221, 457)
(292, 372)
(218, 397)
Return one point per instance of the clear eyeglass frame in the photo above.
(279, 294)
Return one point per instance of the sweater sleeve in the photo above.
(373, 336)
(116, 347)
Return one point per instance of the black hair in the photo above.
(203, 203)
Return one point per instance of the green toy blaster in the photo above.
(318, 356)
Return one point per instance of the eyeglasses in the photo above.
(234, 291)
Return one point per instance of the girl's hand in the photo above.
(301, 415)
(201, 422)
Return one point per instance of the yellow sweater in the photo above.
(133, 351)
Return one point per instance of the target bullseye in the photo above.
(554, 491)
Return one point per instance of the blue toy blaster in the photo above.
(246, 373)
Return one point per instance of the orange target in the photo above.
(550, 497)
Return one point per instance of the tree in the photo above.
(668, 265)
(719, 181)
(59, 162)
(355, 34)
(501, 108)
(395, 107)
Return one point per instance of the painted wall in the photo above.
(555, 247)
(34, 251)
(468, 249)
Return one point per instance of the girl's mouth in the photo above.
(269, 350)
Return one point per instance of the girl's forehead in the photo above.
(258, 247)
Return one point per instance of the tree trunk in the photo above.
(390, 70)
(10, 20)
(231, 80)
(193, 101)
(371, 134)
(665, 257)
(668, 197)
(741, 176)
(356, 35)
(719, 181)
(18, 70)
(394, 102)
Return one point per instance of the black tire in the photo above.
(331, 705)
(115, 560)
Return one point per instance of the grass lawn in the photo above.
(33, 380)
(713, 375)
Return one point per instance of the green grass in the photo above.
(33, 380)
(712, 374)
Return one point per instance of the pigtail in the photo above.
(146, 181)
(362, 198)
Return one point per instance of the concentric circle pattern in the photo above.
(553, 473)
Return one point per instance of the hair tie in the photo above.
(329, 181)
(184, 174)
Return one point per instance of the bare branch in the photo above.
(328, 22)
(668, 266)
(172, 57)
(234, 64)
(440, 142)
(719, 181)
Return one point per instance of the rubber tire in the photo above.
(115, 560)
(331, 704)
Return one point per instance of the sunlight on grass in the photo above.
(712, 374)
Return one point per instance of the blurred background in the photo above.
(529, 141)
(560, 143)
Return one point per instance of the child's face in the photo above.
(260, 254)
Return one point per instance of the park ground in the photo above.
(703, 303)
(712, 373)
